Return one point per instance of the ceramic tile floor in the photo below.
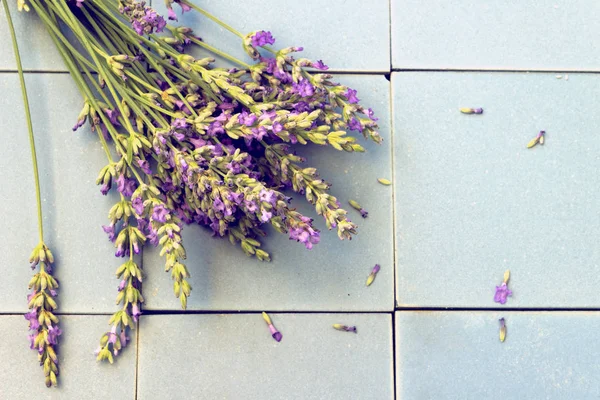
(468, 201)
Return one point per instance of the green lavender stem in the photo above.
(36, 174)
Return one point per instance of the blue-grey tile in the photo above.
(458, 355)
(329, 277)
(348, 35)
(73, 207)
(81, 376)
(472, 34)
(35, 46)
(233, 356)
(473, 201)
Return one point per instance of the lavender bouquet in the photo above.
(186, 143)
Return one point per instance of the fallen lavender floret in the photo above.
(502, 291)
(345, 328)
(274, 332)
(373, 274)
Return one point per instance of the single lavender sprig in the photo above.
(43, 323)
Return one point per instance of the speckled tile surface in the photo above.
(458, 355)
(492, 35)
(473, 201)
(467, 202)
(233, 356)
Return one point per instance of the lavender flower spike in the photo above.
(274, 332)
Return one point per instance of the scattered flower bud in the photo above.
(502, 329)
(540, 138)
(346, 328)
(274, 332)
(384, 181)
(372, 275)
(465, 110)
(357, 206)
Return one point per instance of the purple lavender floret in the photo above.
(179, 123)
(262, 38)
(355, 125)
(110, 231)
(371, 115)
(351, 96)
(145, 166)
(160, 213)
(502, 292)
(113, 116)
(32, 317)
(135, 312)
(303, 88)
(319, 65)
(105, 188)
(138, 205)
(53, 333)
(246, 118)
(125, 186)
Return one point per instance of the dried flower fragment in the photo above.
(358, 207)
(466, 110)
(502, 329)
(502, 291)
(346, 328)
(372, 275)
(274, 332)
(538, 139)
(384, 181)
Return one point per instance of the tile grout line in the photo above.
(137, 360)
(394, 188)
(400, 309)
(380, 72)
(331, 71)
(394, 353)
(391, 113)
(137, 335)
(497, 70)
